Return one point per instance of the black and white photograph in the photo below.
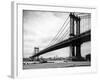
(54, 39)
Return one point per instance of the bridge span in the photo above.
(84, 37)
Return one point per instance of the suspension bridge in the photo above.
(74, 32)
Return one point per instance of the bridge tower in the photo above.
(36, 50)
(72, 47)
(75, 52)
(78, 44)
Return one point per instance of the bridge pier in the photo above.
(78, 50)
(72, 51)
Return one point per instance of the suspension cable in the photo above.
(65, 34)
(61, 33)
(58, 32)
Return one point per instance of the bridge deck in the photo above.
(83, 37)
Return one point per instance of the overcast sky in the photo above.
(40, 27)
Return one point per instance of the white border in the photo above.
(17, 70)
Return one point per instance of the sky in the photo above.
(40, 27)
